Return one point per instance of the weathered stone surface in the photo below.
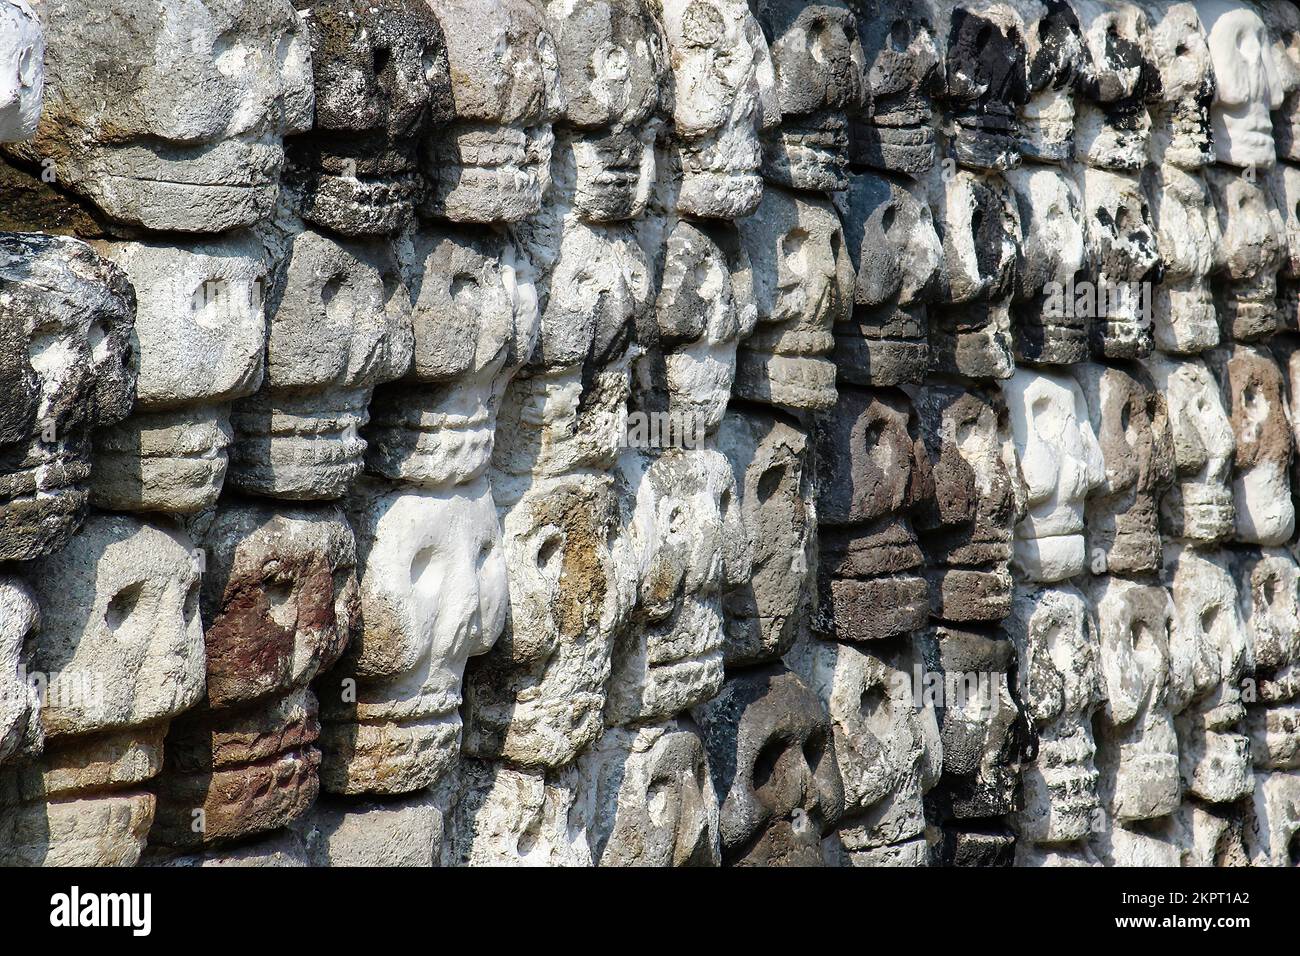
(1184, 320)
(1253, 250)
(179, 135)
(339, 318)
(20, 728)
(381, 82)
(966, 526)
(1060, 683)
(896, 253)
(1131, 421)
(491, 162)
(1199, 506)
(771, 461)
(1113, 127)
(820, 72)
(774, 768)
(433, 593)
(1061, 463)
(803, 283)
(22, 53)
(1180, 115)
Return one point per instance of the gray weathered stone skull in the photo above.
(65, 370)
(171, 114)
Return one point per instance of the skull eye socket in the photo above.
(1209, 617)
(768, 757)
(769, 481)
(382, 58)
(122, 605)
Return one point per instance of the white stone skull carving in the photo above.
(22, 70)
(1248, 84)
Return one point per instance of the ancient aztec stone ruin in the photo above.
(649, 432)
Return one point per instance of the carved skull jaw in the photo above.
(489, 173)
(169, 461)
(249, 772)
(810, 153)
(785, 791)
(433, 594)
(656, 802)
(870, 582)
(883, 346)
(1185, 319)
(69, 319)
(536, 699)
(612, 173)
(1248, 84)
(23, 83)
(290, 447)
(973, 339)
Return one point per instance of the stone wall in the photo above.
(649, 432)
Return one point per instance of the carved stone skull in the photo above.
(1051, 254)
(22, 70)
(774, 768)
(200, 335)
(1284, 182)
(1061, 464)
(1248, 84)
(872, 473)
(537, 698)
(339, 319)
(1254, 395)
(1184, 320)
(683, 527)
(1060, 683)
(1125, 263)
(1181, 114)
(185, 131)
(719, 61)
(1056, 63)
(903, 71)
(64, 370)
(986, 80)
(1199, 506)
(820, 77)
(1113, 129)
(432, 595)
(381, 83)
(771, 462)
(475, 320)
(896, 251)
(1209, 651)
(491, 163)
(1131, 421)
(652, 795)
(1269, 594)
(120, 652)
(1253, 392)
(613, 69)
(985, 734)
(1253, 251)
(279, 605)
(966, 527)
(1283, 20)
(886, 743)
(567, 407)
(979, 228)
(1137, 750)
(803, 283)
